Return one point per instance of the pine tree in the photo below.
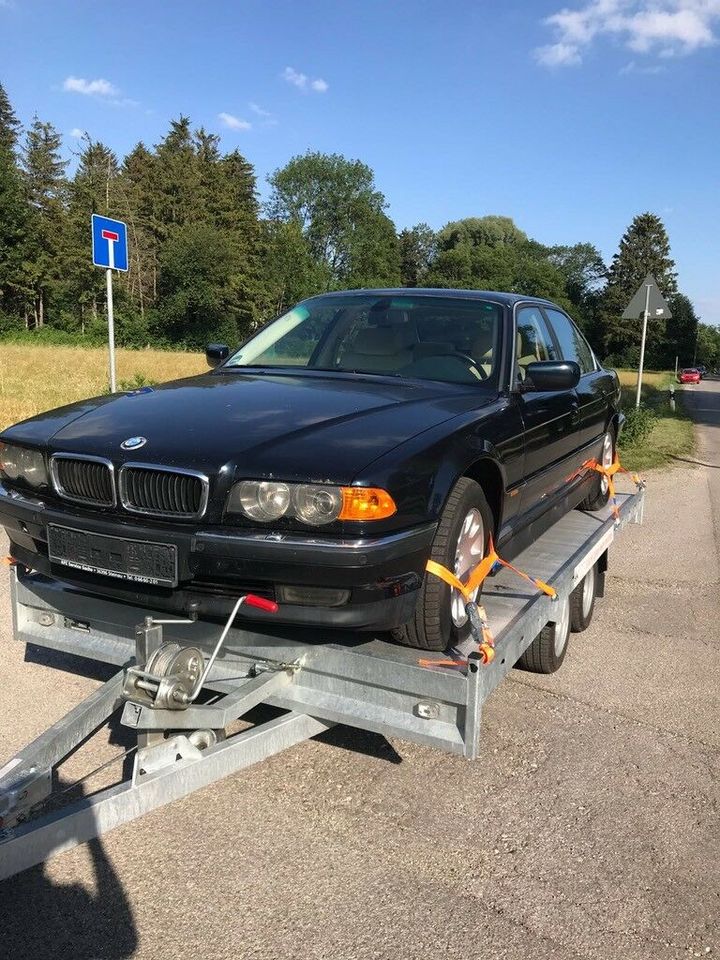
(13, 215)
(93, 190)
(46, 192)
(644, 248)
(9, 123)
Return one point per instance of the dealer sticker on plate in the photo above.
(134, 560)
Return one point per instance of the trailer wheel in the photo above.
(582, 601)
(547, 651)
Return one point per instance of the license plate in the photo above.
(134, 560)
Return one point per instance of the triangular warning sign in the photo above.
(649, 295)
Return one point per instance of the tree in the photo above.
(417, 248)
(13, 214)
(681, 332)
(9, 123)
(335, 203)
(708, 346)
(198, 301)
(45, 189)
(488, 231)
(644, 248)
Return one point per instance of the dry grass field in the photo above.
(33, 379)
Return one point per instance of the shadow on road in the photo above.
(67, 921)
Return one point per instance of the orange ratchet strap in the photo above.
(476, 614)
(610, 472)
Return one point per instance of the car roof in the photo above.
(497, 296)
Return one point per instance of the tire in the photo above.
(433, 626)
(547, 651)
(601, 489)
(582, 601)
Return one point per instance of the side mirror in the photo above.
(553, 374)
(215, 353)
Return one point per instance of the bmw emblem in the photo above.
(133, 443)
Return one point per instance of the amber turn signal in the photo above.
(366, 503)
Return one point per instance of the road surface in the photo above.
(588, 829)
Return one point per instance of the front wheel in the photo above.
(460, 543)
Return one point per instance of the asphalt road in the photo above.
(588, 828)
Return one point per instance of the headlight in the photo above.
(317, 505)
(260, 499)
(19, 463)
(312, 503)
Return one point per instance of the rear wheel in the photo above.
(547, 651)
(460, 544)
(601, 486)
(582, 601)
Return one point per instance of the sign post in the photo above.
(109, 251)
(647, 299)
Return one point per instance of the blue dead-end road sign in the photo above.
(109, 243)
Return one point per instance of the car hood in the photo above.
(298, 426)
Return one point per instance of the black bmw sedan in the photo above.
(323, 463)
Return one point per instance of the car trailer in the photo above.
(180, 688)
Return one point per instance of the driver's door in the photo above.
(550, 417)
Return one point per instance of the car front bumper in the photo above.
(381, 576)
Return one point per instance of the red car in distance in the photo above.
(689, 375)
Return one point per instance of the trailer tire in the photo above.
(432, 626)
(582, 601)
(547, 651)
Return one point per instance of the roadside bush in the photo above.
(639, 423)
(136, 382)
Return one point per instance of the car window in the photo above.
(452, 339)
(573, 345)
(533, 341)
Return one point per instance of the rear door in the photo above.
(596, 385)
(550, 418)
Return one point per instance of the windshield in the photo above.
(451, 339)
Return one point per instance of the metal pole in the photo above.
(642, 345)
(676, 365)
(111, 327)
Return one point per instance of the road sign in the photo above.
(656, 305)
(648, 300)
(109, 250)
(109, 243)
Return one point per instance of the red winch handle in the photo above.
(269, 606)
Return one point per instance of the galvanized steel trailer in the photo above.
(183, 740)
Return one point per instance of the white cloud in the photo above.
(303, 82)
(77, 133)
(234, 123)
(664, 28)
(258, 111)
(90, 88)
(558, 55)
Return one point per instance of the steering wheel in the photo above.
(471, 363)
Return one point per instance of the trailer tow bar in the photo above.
(181, 744)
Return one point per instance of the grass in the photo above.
(34, 379)
(671, 436)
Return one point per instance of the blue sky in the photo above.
(571, 116)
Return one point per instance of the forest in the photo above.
(209, 261)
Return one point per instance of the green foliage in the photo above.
(644, 248)
(417, 249)
(136, 382)
(639, 423)
(336, 206)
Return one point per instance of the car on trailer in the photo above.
(323, 463)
